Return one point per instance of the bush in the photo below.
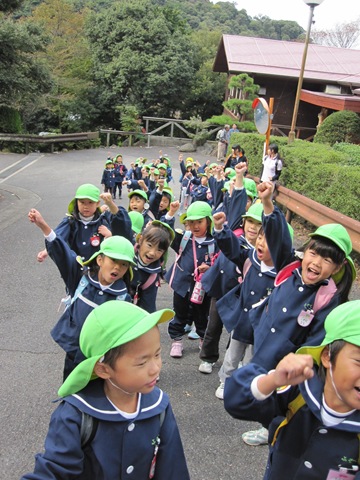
(343, 126)
(10, 120)
(327, 175)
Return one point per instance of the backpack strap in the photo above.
(88, 429)
(293, 407)
(84, 281)
(324, 295)
(151, 279)
(286, 272)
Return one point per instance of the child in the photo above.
(200, 188)
(193, 259)
(108, 176)
(106, 277)
(224, 275)
(120, 173)
(258, 277)
(152, 245)
(294, 314)
(320, 437)
(84, 226)
(114, 390)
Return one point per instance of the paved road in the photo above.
(31, 364)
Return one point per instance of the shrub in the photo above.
(343, 126)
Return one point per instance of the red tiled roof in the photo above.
(280, 58)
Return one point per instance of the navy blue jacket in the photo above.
(305, 448)
(275, 323)
(122, 448)
(66, 332)
(180, 276)
(108, 178)
(120, 172)
(146, 298)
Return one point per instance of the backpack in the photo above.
(324, 293)
(89, 427)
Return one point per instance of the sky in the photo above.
(326, 15)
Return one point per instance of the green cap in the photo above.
(109, 325)
(250, 187)
(156, 171)
(117, 248)
(226, 186)
(196, 211)
(213, 165)
(169, 192)
(255, 212)
(108, 162)
(139, 193)
(137, 221)
(230, 173)
(338, 235)
(342, 323)
(165, 225)
(88, 191)
(162, 165)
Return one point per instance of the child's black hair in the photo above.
(334, 349)
(94, 268)
(157, 234)
(113, 354)
(327, 249)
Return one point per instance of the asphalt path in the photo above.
(31, 363)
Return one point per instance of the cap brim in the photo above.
(171, 231)
(315, 352)
(83, 373)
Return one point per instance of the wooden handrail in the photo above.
(314, 212)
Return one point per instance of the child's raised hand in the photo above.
(36, 217)
(141, 184)
(104, 231)
(181, 157)
(265, 190)
(240, 168)
(42, 256)
(107, 198)
(293, 369)
(161, 183)
(219, 220)
(174, 207)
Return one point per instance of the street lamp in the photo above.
(312, 4)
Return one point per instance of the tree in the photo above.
(344, 35)
(68, 57)
(245, 91)
(23, 78)
(142, 56)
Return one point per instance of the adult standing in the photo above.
(223, 137)
(271, 165)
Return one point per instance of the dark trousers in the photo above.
(181, 306)
(115, 187)
(210, 347)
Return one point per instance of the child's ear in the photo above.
(102, 370)
(325, 357)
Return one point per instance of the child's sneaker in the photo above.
(220, 391)
(187, 328)
(256, 437)
(206, 367)
(193, 335)
(176, 349)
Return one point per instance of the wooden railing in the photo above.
(314, 212)
(48, 139)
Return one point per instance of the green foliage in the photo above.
(10, 120)
(129, 117)
(350, 151)
(245, 92)
(342, 126)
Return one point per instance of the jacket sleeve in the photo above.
(65, 260)
(236, 208)
(231, 247)
(64, 229)
(63, 456)
(278, 238)
(121, 224)
(240, 402)
(171, 462)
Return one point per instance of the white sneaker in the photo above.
(206, 367)
(220, 391)
(256, 437)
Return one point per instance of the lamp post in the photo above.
(312, 4)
